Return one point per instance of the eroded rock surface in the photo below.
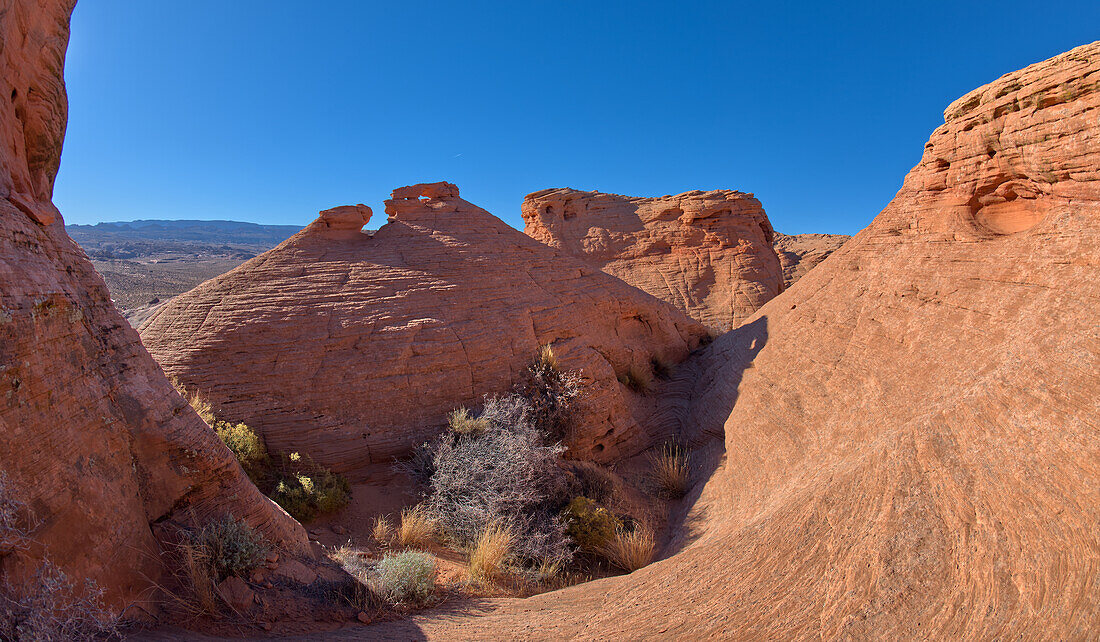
(708, 253)
(800, 253)
(353, 347)
(92, 435)
(912, 446)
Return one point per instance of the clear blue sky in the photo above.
(270, 110)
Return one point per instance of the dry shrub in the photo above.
(416, 529)
(48, 606)
(631, 550)
(670, 471)
(492, 549)
(382, 532)
(463, 423)
(551, 394)
(230, 547)
(197, 401)
(506, 476)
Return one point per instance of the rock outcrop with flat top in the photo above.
(708, 253)
(352, 347)
(92, 436)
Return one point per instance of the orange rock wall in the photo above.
(708, 253)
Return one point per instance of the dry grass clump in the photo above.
(670, 471)
(405, 578)
(416, 529)
(492, 549)
(463, 423)
(382, 531)
(198, 571)
(631, 550)
(637, 379)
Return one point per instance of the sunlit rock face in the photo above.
(708, 253)
(352, 346)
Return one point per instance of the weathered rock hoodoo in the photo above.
(800, 253)
(92, 435)
(352, 347)
(708, 253)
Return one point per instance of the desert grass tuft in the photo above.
(670, 471)
(637, 379)
(631, 550)
(382, 531)
(547, 358)
(463, 423)
(417, 528)
(198, 571)
(490, 553)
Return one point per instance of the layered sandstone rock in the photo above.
(708, 253)
(912, 446)
(353, 347)
(800, 253)
(92, 436)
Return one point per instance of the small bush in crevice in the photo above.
(230, 547)
(551, 394)
(630, 550)
(247, 447)
(670, 471)
(505, 476)
(590, 525)
(636, 379)
(305, 489)
(405, 578)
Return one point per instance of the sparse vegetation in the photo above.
(230, 546)
(463, 423)
(47, 606)
(305, 489)
(637, 379)
(590, 525)
(630, 550)
(489, 554)
(505, 476)
(405, 578)
(551, 394)
(416, 529)
(670, 472)
(382, 531)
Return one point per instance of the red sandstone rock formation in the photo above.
(352, 347)
(708, 253)
(800, 253)
(92, 436)
(912, 446)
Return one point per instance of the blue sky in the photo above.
(270, 110)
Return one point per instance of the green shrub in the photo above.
(247, 447)
(590, 525)
(231, 546)
(305, 489)
(407, 577)
(463, 423)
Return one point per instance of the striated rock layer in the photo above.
(708, 253)
(800, 253)
(352, 347)
(92, 436)
(912, 434)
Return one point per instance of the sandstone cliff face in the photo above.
(92, 435)
(800, 253)
(912, 446)
(352, 347)
(708, 253)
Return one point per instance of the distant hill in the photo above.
(147, 262)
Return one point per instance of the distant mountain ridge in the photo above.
(219, 232)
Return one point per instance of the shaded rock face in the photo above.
(352, 347)
(800, 253)
(92, 435)
(708, 253)
(912, 444)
